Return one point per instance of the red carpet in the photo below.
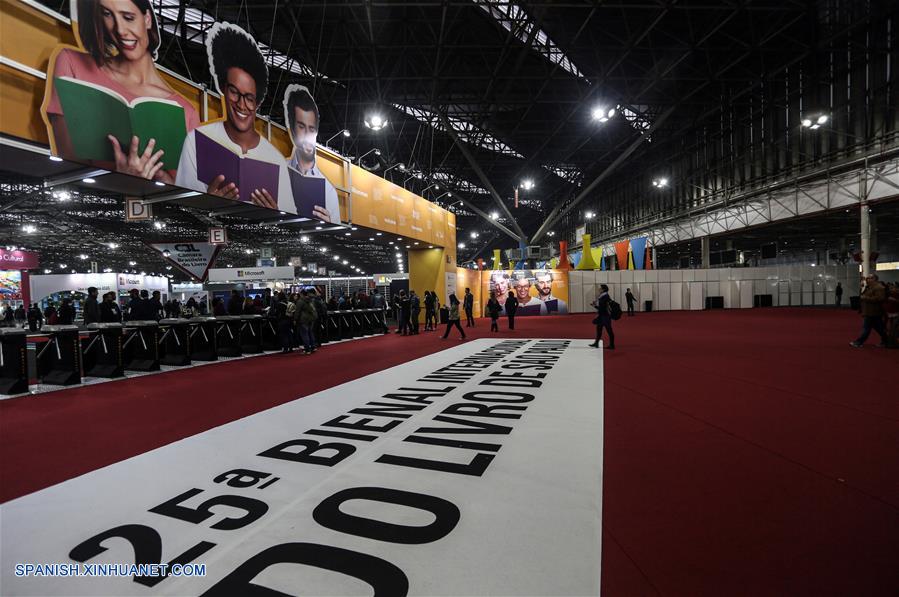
(746, 452)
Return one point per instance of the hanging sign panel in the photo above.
(191, 257)
(473, 471)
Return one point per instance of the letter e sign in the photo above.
(217, 236)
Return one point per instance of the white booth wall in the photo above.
(687, 289)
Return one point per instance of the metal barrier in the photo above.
(141, 345)
(251, 334)
(201, 338)
(58, 359)
(101, 351)
(13, 361)
(175, 342)
(227, 335)
(270, 339)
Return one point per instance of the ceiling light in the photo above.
(54, 158)
(113, 246)
(132, 263)
(551, 233)
(408, 247)
(248, 251)
(527, 184)
(166, 253)
(660, 183)
(159, 184)
(461, 245)
(371, 238)
(474, 235)
(324, 249)
(304, 239)
(344, 261)
(89, 180)
(589, 215)
(377, 234)
(806, 122)
(29, 228)
(375, 122)
(62, 195)
(107, 270)
(63, 266)
(47, 271)
(336, 258)
(158, 225)
(82, 257)
(822, 119)
(348, 234)
(494, 215)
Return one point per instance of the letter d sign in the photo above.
(136, 210)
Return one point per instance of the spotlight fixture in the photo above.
(375, 122)
(660, 183)
(344, 132)
(589, 215)
(29, 228)
(158, 225)
(461, 245)
(551, 233)
(603, 114)
(47, 271)
(494, 215)
(527, 184)
(474, 235)
(113, 246)
(159, 184)
(248, 251)
(54, 158)
(89, 180)
(82, 257)
(814, 121)
(132, 263)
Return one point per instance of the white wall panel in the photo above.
(677, 296)
(697, 299)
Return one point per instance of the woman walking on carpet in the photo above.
(453, 317)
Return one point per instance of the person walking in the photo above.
(494, 309)
(511, 308)
(872, 298)
(91, 309)
(603, 306)
(838, 295)
(306, 317)
(20, 316)
(468, 305)
(631, 299)
(453, 320)
(285, 323)
(35, 318)
(429, 311)
(404, 307)
(414, 312)
(66, 313)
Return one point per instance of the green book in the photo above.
(92, 112)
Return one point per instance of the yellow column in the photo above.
(427, 271)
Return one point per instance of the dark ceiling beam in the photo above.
(558, 211)
(485, 182)
(488, 219)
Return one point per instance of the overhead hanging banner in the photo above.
(251, 274)
(193, 257)
(473, 471)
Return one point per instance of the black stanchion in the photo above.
(270, 340)
(59, 358)
(141, 345)
(175, 342)
(101, 353)
(202, 335)
(251, 334)
(227, 335)
(13, 362)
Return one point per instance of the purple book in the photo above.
(308, 191)
(214, 159)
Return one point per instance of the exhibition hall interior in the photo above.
(449, 297)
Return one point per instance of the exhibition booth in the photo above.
(47, 288)
(14, 285)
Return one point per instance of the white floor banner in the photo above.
(473, 471)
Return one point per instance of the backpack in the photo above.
(614, 310)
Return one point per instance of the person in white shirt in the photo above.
(241, 75)
(302, 116)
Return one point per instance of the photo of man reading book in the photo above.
(312, 199)
(229, 158)
(551, 304)
(108, 106)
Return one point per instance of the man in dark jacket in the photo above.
(109, 309)
(405, 311)
(235, 303)
(414, 312)
(155, 306)
(468, 306)
(35, 318)
(511, 308)
(91, 306)
(66, 314)
(631, 299)
(872, 298)
(603, 317)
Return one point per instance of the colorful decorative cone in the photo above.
(564, 263)
(586, 261)
(497, 259)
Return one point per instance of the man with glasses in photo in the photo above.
(241, 75)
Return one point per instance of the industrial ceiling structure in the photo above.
(613, 115)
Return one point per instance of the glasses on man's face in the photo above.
(236, 96)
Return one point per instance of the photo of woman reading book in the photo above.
(108, 105)
(229, 158)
